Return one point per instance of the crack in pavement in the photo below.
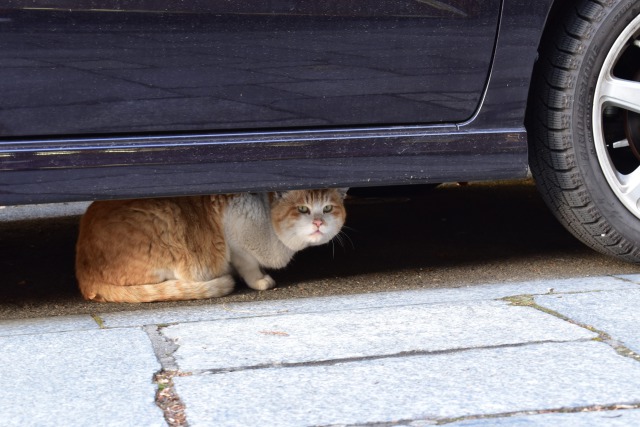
(402, 354)
(529, 301)
(167, 398)
(444, 421)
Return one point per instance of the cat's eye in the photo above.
(303, 209)
(327, 209)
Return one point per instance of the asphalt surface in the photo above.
(396, 239)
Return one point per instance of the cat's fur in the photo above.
(188, 247)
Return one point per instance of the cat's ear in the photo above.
(284, 195)
(342, 191)
(277, 195)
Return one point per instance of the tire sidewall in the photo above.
(596, 50)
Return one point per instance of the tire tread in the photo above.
(552, 156)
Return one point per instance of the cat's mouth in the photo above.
(316, 236)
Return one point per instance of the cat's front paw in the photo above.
(263, 284)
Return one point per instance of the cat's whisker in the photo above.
(342, 236)
(337, 238)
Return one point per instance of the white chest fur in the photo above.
(248, 229)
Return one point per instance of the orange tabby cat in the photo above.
(188, 247)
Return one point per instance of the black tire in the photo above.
(572, 126)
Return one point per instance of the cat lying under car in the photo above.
(185, 248)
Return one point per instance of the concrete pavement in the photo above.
(540, 353)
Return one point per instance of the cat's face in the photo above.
(304, 218)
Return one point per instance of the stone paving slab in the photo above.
(46, 325)
(313, 337)
(635, 278)
(621, 418)
(616, 312)
(81, 378)
(429, 387)
(349, 302)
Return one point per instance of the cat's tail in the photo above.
(170, 290)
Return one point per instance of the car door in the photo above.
(102, 67)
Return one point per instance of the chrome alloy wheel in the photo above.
(616, 117)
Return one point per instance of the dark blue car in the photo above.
(108, 99)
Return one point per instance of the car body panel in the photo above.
(208, 66)
(489, 144)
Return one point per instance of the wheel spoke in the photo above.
(620, 93)
(629, 186)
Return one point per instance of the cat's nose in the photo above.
(318, 222)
